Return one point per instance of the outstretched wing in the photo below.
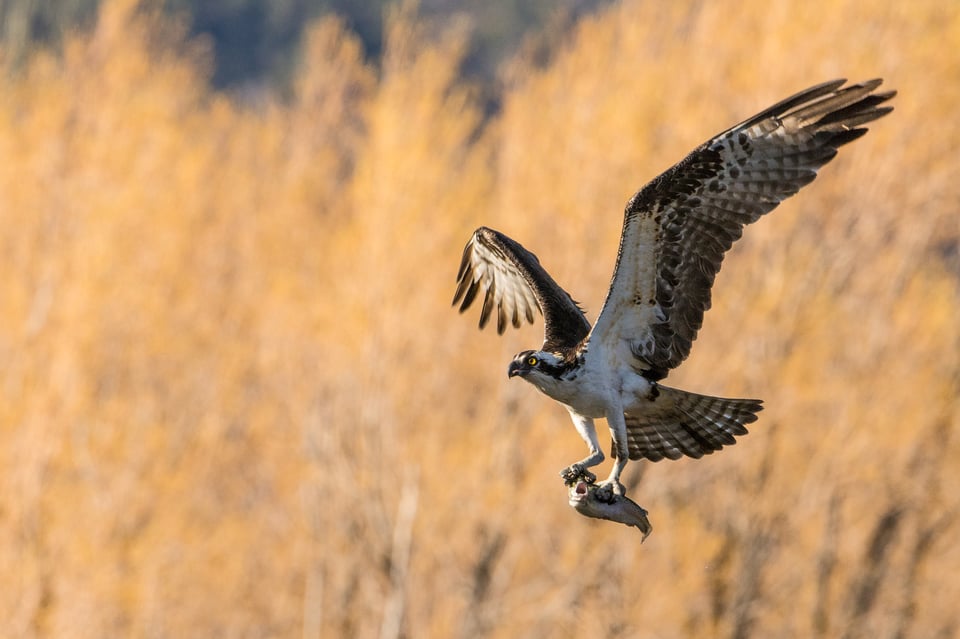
(677, 228)
(515, 285)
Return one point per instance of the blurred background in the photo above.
(236, 401)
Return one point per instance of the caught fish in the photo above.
(601, 503)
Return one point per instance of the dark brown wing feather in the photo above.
(515, 285)
(679, 226)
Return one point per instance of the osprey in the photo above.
(676, 230)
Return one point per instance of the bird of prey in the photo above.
(676, 230)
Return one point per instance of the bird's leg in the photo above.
(618, 432)
(578, 471)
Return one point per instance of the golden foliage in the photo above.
(235, 401)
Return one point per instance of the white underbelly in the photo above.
(595, 397)
(585, 393)
(600, 386)
(592, 406)
(635, 393)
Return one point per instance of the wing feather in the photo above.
(678, 227)
(515, 285)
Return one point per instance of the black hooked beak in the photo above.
(514, 369)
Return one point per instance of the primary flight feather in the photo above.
(676, 231)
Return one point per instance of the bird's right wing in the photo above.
(515, 285)
(678, 227)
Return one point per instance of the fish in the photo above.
(591, 500)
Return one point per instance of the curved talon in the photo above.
(604, 493)
(575, 472)
(614, 486)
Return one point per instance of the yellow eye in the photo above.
(531, 361)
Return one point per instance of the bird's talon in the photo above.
(576, 472)
(612, 489)
(604, 493)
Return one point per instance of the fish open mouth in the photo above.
(579, 495)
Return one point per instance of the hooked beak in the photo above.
(514, 369)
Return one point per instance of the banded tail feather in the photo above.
(679, 423)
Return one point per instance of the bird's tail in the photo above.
(678, 423)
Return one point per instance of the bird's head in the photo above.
(531, 365)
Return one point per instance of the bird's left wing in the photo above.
(515, 286)
(677, 228)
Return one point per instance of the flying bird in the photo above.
(676, 230)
